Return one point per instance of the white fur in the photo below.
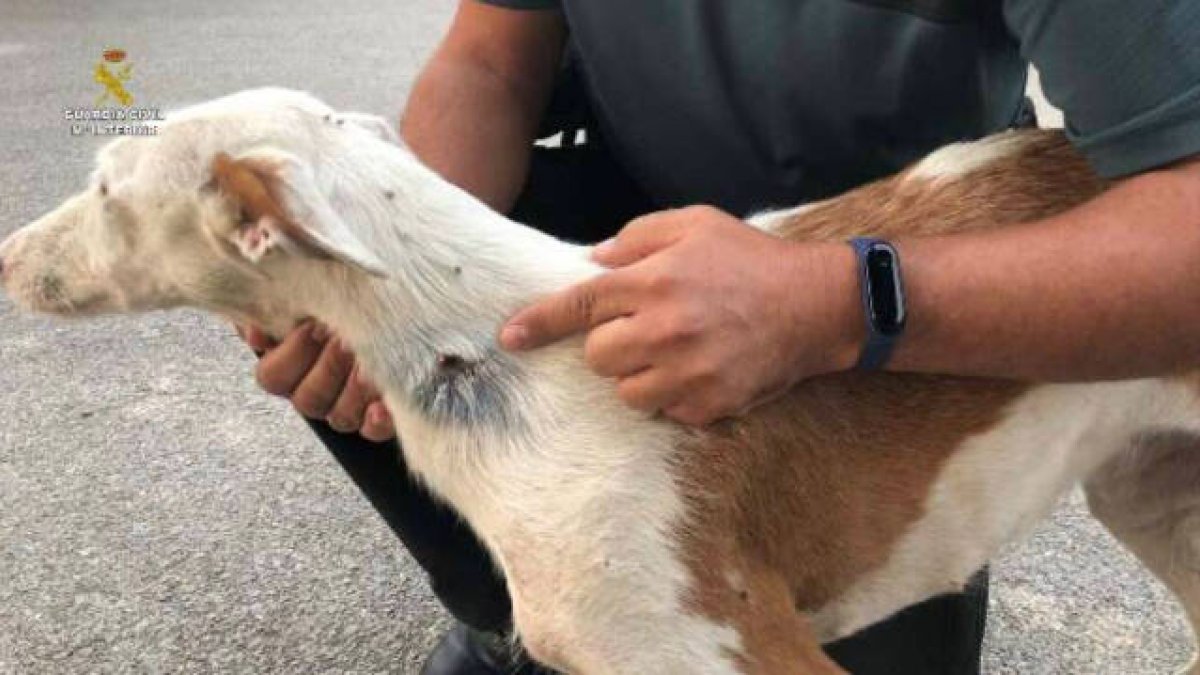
(960, 159)
(1003, 482)
(772, 220)
(574, 493)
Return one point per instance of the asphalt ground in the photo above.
(159, 514)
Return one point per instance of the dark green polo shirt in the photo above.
(748, 104)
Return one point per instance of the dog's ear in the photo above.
(281, 207)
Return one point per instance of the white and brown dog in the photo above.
(630, 544)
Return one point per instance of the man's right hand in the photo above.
(319, 375)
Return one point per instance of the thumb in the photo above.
(641, 238)
(562, 314)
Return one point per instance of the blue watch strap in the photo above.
(876, 351)
(879, 343)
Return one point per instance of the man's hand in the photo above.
(320, 377)
(705, 316)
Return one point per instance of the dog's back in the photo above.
(631, 544)
(857, 494)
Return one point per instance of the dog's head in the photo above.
(227, 208)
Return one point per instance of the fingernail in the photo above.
(603, 249)
(378, 416)
(514, 337)
(320, 333)
(343, 350)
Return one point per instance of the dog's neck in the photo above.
(457, 270)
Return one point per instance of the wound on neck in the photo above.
(474, 392)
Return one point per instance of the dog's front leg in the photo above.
(620, 600)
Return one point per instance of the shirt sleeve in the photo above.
(1126, 74)
(523, 4)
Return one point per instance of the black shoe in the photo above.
(463, 651)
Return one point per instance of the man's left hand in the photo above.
(704, 316)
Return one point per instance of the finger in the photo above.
(567, 312)
(349, 411)
(700, 407)
(641, 238)
(281, 369)
(650, 390)
(258, 340)
(691, 414)
(319, 390)
(613, 349)
(366, 382)
(378, 426)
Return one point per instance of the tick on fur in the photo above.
(389, 194)
(450, 362)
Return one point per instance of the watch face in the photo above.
(886, 293)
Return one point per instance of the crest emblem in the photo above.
(113, 79)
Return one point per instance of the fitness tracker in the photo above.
(882, 299)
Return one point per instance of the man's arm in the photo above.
(1111, 289)
(475, 108)
(1108, 290)
(704, 316)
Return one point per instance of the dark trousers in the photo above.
(579, 193)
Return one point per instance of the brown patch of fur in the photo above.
(809, 492)
(1045, 177)
(252, 184)
(795, 501)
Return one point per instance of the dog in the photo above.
(630, 544)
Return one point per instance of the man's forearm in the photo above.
(1108, 290)
(476, 106)
(472, 128)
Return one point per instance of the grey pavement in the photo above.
(159, 514)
